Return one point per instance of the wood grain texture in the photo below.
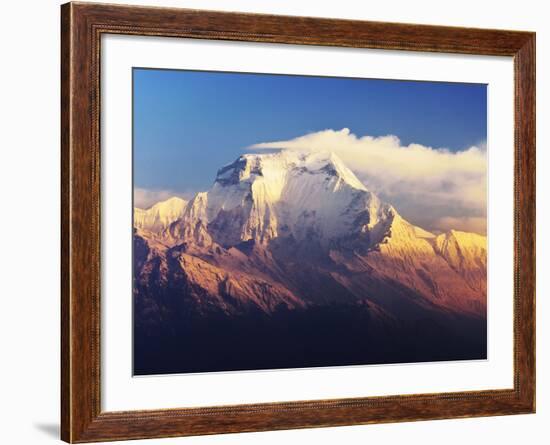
(65, 226)
(81, 28)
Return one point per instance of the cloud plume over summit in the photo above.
(432, 187)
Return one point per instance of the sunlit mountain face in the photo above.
(290, 261)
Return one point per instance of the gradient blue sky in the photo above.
(187, 124)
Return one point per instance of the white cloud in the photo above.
(429, 186)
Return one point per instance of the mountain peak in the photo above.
(159, 216)
(174, 201)
(239, 170)
(331, 164)
(302, 195)
(248, 167)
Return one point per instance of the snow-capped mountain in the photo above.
(293, 231)
(159, 216)
(262, 197)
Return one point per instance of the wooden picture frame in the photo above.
(82, 25)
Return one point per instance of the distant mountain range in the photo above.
(252, 273)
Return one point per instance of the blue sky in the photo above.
(187, 124)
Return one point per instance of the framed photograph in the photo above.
(275, 222)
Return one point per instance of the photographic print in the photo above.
(288, 221)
